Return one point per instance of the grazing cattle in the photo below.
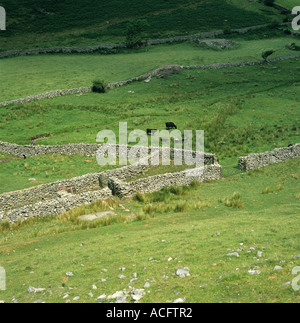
(171, 125)
(151, 131)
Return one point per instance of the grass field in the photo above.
(289, 4)
(69, 71)
(198, 237)
(31, 23)
(46, 169)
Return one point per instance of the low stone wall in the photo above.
(81, 184)
(84, 150)
(146, 76)
(57, 206)
(105, 47)
(254, 161)
(157, 182)
(44, 192)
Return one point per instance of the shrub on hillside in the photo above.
(266, 54)
(99, 86)
(135, 33)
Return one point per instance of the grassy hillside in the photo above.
(251, 99)
(38, 74)
(34, 23)
(240, 110)
(198, 235)
(288, 4)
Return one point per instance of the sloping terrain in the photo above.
(34, 23)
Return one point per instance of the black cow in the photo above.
(171, 125)
(151, 131)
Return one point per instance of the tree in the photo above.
(135, 32)
(99, 86)
(266, 54)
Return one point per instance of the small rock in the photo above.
(287, 284)
(35, 290)
(234, 254)
(69, 274)
(94, 287)
(254, 272)
(183, 272)
(277, 268)
(101, 298)
(122, 276)
(147, 285)
(76, 298)
(259, 254)
(179, 300)
(298, 256)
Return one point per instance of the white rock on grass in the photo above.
(94, 287)
(182, 273)
(102, 298)
(147, 285)
(179, 300)
(234, 254)
(259, 254)
(69, 274)
(277, 268)
(254, 272)
(120, 296)
(122, 276)
(35, 290)
(137, 294)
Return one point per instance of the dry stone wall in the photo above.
(254, 161)
(146, 77)
(105, 47)
(47, 199)
(157, 182)
(61, 203)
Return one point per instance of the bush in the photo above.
(140, 198)
(99, 86)
(180, 207)
(266, 54)
(134, 33)
(269, 3)
(235, 201)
